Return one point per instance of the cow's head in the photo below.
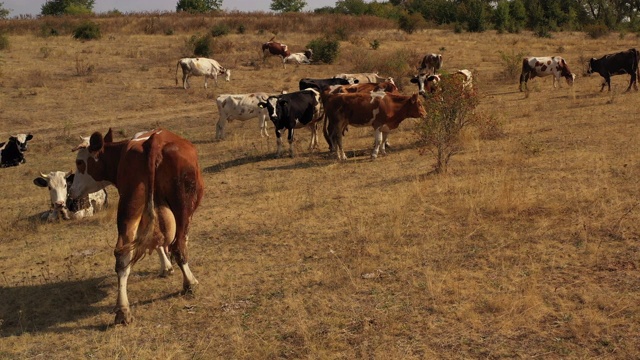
(271, 104)
(426, 83)
(58, 183)
(417, 110)
(90, 173)
(21, 140)
(308, 53)
(226, 73)
(590, 66)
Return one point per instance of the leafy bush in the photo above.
(451, 109)
(324, 49)
(200, 45)
(597, 30)
(375, 44)
(511, 64)
(409, 23)
(241, 29)
(4, 42)
(87, 31)
(220, 30)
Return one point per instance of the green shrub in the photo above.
(87, 31)
(324, 49)
(4, 42)
(511, 64)
(375, 44)
(241, 29)
(220, 30)
(200, 45)
(597, 30)
(409, 23)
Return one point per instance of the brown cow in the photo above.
(365, 88)
(160, 186)
(382, 111)
(272, 48)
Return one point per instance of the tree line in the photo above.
(541, 16)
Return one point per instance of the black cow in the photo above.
(323, 84)
(625, 62)
(11, 153)
(293, 111)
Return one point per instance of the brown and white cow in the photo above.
(160, 186)
(545, 66)
(272, 48)
(365, 78)
(241, 107)
(58, 182)
(300, 58)
(364, 88)
(382, 111)
(208, 68)
(430, 64)
(429, 83)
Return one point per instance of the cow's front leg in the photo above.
(123, 268)
(279, 142)
(290, 139)
(205, 82)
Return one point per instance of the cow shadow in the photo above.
(248, 159)
(45, 307)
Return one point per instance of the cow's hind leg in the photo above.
(123, 268)
(189, 197)
(168, 228)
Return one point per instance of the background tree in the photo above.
(198, 6)
(288, 5)
(4, 13)
(62, 7)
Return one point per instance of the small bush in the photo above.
(489, 127)
(324, 49)
(597, 31)
(168, 31)
(375, 44)
(342, 33)
(511, 64)
(200, 45)
(220, 30)
(4, 42)
(241, 29)
(542, 32)
(410, 23)
(87, 31)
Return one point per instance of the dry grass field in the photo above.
(528, 247)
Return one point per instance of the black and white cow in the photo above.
(430, 63)
(293, 111)
(62, 206)
(324, 84)
(429, 83)
(11, 152)
(624, 62)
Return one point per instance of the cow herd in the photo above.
(157, 174)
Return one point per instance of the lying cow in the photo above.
(545, 66)
(365, 77)
(429, 83)
(625, 62)
(293, 111)
(382, 111)
(208, 68)
(12, 151)
(430, 64)
(322, 84)
(64, 207)
(241, 107)
(300, 58)
(272, 48)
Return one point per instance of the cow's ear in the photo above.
(96, 142)
(41, 182)
(29, 137)
(13, 138)
(414, 80)
(70, 176)
(109, 137)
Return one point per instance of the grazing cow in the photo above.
(11, 152)
(293, 111)
(365, 78)
(365, 88)
(61, 205)
(430, 64)
(300, 58)
(544, 66)
(429, 83)
(382, 111)
(208, 68)
(241, 107)
(322, 84)
(160, 186)
(624, 62)
(272, 48)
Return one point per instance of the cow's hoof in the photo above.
(189, 290)
(123, 317)
(166, 272)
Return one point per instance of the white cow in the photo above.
(365, 78)
(208, 68)
(241, 107)
(61, 205)
(300, 58)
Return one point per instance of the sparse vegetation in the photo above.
(511, 64)
(4, 41)
(527, 247)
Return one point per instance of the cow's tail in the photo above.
(525, 72)
(636, 54)
(145, 238)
